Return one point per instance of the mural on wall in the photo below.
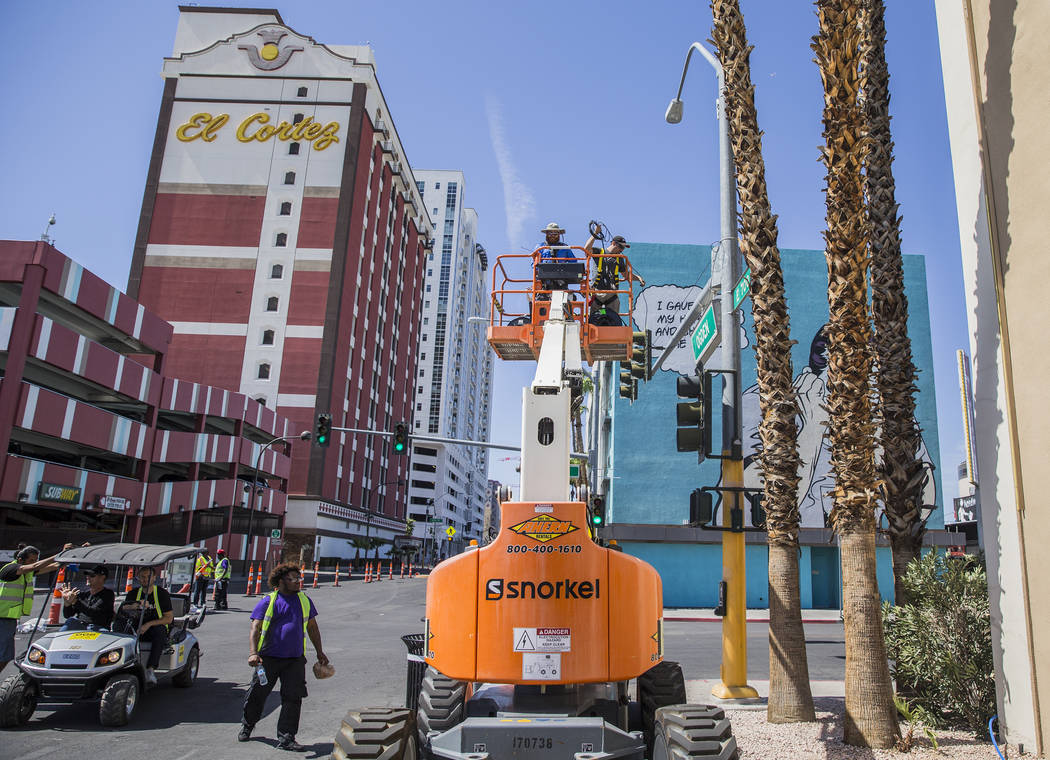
(649, 423)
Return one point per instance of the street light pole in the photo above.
(306, 435)
(734, 625)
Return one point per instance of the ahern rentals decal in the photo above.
(544, 528)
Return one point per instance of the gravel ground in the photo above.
(823, 739)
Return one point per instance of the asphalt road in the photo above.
(361, 625)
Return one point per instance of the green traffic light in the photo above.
(596, 519)
(322, 438)
(399, 447)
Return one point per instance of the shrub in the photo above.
(941, 643)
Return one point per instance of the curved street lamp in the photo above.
(306, 435)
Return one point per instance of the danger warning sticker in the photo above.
(542, 640)
(541, 667)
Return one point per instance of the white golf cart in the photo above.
(100, 664)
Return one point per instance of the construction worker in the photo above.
(202, 572)
(611, 268)
(222, 579)
(556, 250)
(16, 594)
(157, 617)
(281, 622)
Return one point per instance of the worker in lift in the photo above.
(611, 268)
(556, 251)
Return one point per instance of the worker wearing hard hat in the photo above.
(611, 268)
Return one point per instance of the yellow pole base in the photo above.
(722, 691)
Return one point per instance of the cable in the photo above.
(991, 735)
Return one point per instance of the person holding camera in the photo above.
(93, 608)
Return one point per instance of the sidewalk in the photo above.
(707, 615)
(698, 691)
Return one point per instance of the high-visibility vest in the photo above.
(304, 601)
(222, 570)
(608, 270)
(16, 597)
(156, 600)
(203, 568)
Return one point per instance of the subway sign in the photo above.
(55, 492)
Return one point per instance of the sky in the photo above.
(553, 111)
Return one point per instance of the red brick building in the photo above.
(283, 236)
(101, 443)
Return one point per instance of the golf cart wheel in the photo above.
(377, 732)
(119, 700)
(661, 685)
(441, 704)
(188, 674)
(684, 731)
(18, 695)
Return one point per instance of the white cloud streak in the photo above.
(519, 204)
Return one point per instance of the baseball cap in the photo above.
(619, 239)
(98, 570)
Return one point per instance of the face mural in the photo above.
(651, 479)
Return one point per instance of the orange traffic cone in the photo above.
(390, 571)
(127, 584)
(56, 598)
(368, 572)
(251, 577)
(336, 573)
(258, 581)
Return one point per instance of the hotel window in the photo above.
(282, 239)
(437, 185)
(293, 149)
(301, 93)
(267, 339)
(297, 118)
(264, 371)
(286, 208)
(271, 303)
(289, 178)
(277, 272)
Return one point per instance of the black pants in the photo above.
(157, 636)
(292, 672)
(200, 591)
(220, 595)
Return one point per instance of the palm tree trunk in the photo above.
(871, 719)
(790, 696)
(902, 471)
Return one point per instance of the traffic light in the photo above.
(597, 511)
(641, 355)
(400, 438)
(701, 507)
(758, 512)
(694, 416)
(324, 429)
(628, 384)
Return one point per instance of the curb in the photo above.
(805, 621)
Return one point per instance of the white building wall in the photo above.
(455, 367)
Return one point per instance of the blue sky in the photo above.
(554, 111)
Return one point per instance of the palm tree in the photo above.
(902, 471)
(870, 714)
(790, 697)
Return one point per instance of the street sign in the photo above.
(742, 288)
(574, 471)
(450, 531)
(275, 533)
(706, 336)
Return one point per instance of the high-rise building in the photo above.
(449, 481)
(283, 236)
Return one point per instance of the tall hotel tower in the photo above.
(283, 236)
(449, 481)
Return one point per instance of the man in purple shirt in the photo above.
(281, 621)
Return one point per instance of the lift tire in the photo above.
(377, 733)
(119, 700)
(18, 697)
(441, 704)
(661, 685)
(684, 731)
(185, 677)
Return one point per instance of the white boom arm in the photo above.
(545, 434)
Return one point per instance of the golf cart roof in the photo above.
(136, 555)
